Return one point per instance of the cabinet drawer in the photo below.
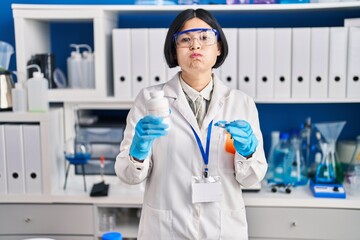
(46, 219)
(303, 223)
(57, 237)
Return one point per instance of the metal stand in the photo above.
(67, 174)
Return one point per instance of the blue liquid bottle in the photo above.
(280, 155)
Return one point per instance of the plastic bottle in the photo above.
(275, 137)
(74, 67)
(19, 98)
(280, 156)
(158, 106)
(88, 67)
(37, 91)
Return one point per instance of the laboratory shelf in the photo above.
(214, 7)
(121, 194)
(37, 18)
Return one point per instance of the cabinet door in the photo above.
(46, 219)
(56, 237)
(303, 223)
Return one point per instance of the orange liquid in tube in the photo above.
(229, 144)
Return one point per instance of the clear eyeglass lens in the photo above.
(204, 38)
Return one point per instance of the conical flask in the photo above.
(329, 170)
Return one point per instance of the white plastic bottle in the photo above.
(74, 68)
(88, 66)
(19, 98)
(158, 106)
(37, 91)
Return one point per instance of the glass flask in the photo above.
(329, 169)
(294, 165)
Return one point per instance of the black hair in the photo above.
(179, 22)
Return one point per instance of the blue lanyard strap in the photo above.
(204, 154)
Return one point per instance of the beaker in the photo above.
(329, 170)
(6, 50)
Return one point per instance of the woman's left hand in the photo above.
(245, 141)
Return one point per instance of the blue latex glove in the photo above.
(146, 131)
(245, 141)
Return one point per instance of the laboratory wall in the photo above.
(282, 117)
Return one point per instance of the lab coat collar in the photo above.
(178, 101)
(193, 94)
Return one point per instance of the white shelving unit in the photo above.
(32, 31)
(51, 138)
(32, 34)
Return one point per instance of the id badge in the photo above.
(206, 189)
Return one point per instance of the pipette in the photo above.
(102, 163)
(222, 124)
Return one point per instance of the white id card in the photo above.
(203, 191)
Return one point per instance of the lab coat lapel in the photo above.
(220, 93)
(178, 101)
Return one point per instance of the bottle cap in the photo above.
(85, 54)
(275, 134)
(38, 75)
(111, 236)
(157, 94)
(284, 135)
(75, 55)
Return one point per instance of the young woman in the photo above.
(193, 184)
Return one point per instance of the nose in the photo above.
(195, 44)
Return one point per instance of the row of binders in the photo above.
(20, 159)
(266, 63)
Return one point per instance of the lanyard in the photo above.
(205, 154)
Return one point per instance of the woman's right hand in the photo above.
(146, 131)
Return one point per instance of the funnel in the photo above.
(330, 131)
(327, 170)
(6, 50)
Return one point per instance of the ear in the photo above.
(218, 49)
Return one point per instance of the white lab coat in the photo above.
(168, 211)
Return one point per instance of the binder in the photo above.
(139, 59)
(32, 159)
(228, 70)
(319, 63)
(265, 63)
(247, 61)
(14, 158)
(352, 22)
(157, 64)
(282, 63)
(300, 79)
(122, 63)
(338, 62)
(3, 181)
(353, 75)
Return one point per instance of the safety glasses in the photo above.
(204, 36)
